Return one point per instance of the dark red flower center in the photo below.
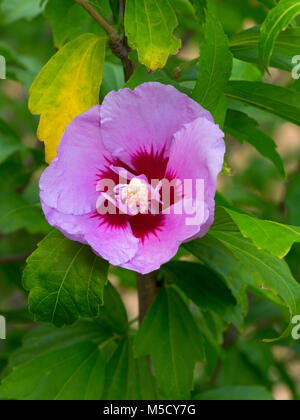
(153, 165)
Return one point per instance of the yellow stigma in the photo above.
(136, 196)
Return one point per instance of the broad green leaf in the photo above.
(9, 146)
(115, 7)
(16, 213)
(244, 128)
(277, 20)
(9, 142)
(54, 364)
(238, 393)
(245, 71)
(21, 9)
(242, 265)
(128, 378)
(149, 26)
(67, 20)
(65, 280)
(183, 9)
(244, 46)
(293, 200)
(224, 263)
(113, 313)
(13, 174)
(69, 371)
(273, 237)
(215, 65)
(7, 130)
(67, 86)
(200, 7)
(113, 78)
(277, 100)
(141, 75)
(171, 337)
(204, 288)
(47, 338)
(71, 363)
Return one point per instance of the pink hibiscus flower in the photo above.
(106, 189)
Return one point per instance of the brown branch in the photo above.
(147, 291)
(119, 47)
(98, 18)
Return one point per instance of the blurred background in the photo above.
(251, 183)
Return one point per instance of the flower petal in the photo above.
(114, 245)
(204, 149)
(158, 249)
(69, 183)
(145, 120)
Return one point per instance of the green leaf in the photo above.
(7, 130)
(293, 200)
(244, 46)
(244, 128)
(273, 237)
(9, 142)
(242, 265)
(67, 20)
(65, 280)
(236, 393)
(9, 146)
(277, 20)
(183, 9)
(215, 65)
(21, 9)
(141, 75)
(57, 365)
(81, 362)
(200, 7)
(223, 262)
(115, 7)
(47, 338)
(113, 313)
(268, 3)
(206, 289)
(171, 337)
(16, 213)
(149, 26)
(245, 71)
(113, 78)
(276, 100)
(128, 378)
(67, 86)
(13, 174)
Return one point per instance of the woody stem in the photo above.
(118, 46)
(147, 291)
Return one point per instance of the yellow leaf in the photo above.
(149, 26)
(67, 86)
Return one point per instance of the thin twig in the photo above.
(119, 47)
(98, 18)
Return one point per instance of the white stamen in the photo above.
(135, 196)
